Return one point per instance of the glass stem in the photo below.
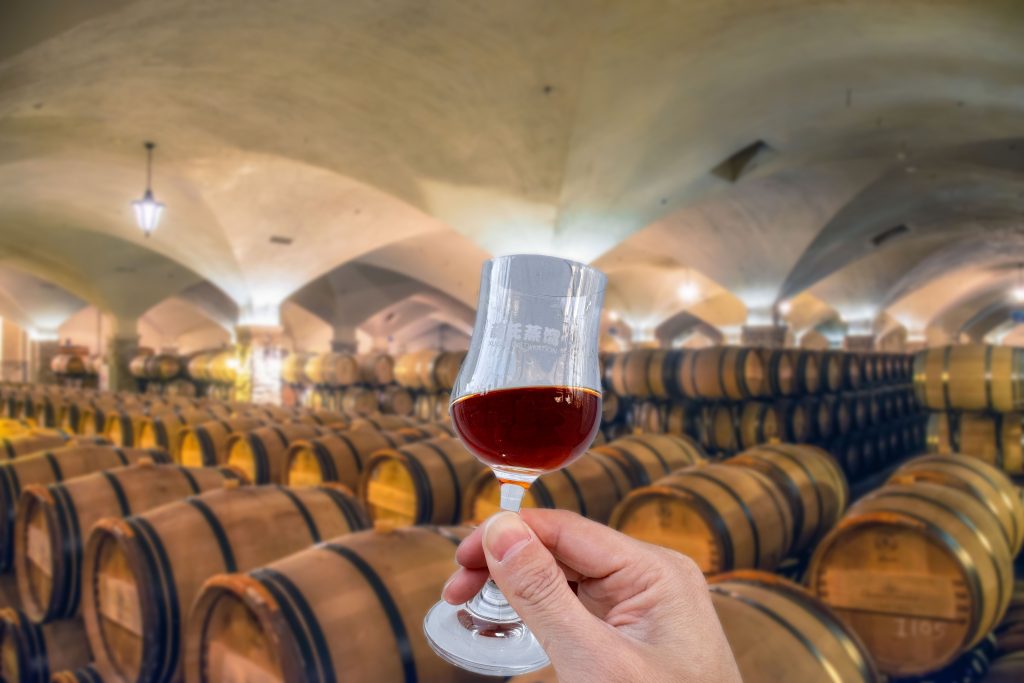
(490, 603)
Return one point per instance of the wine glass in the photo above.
(527, 401)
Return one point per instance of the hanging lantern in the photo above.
(148, 210)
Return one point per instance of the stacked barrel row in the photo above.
(976, 395)
(859, 406)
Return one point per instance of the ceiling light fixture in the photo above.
(689, 291)
(148, 210)
(1017, 293)
(785, 307)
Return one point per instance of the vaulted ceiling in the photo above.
(864, 160)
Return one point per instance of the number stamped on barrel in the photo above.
(920, 628)
(119, 602)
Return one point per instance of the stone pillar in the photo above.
(767, 336)
(122, 345)
(344, 339)
(259, 352)
(859, 342)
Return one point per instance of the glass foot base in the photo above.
(480, 646)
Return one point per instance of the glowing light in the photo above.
(148, 210)
(1017, 293)
(613, 316)
(785, 307)
(689, 292)
(43, 335)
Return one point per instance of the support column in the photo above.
(767, 336)
(344, 339)
(859, 342)
(259, 352)
(43, 347)
(122, 345)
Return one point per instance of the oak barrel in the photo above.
(164, 430)
(780, 371)
(376, 369)
(293, 368)
(811, 481)
(591, 485)
(32, 442)
(55, 466)
(52, 521)
(648, 457)
(336, 457)
(262, 454)
(206, 444)
(332, 369)
(780, 632)
(970, 377)
(30, 652)
(395, 400)
(723, 372)
(808, 369)
(995, 439)
(419, 483)
(284, 623)
(722, 517)
(142, 573)
(85, 674)
(359, 401)
(629, 372)
(382, 423)
(921, 572)
(988, 485)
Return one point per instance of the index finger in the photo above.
(592, 549)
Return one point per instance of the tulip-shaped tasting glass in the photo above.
(527, 401)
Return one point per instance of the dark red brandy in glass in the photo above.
(528, 428)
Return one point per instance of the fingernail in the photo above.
(505, 533)
(449, 582)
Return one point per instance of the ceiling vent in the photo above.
(279, 239)
(890, 234)
(744, 161)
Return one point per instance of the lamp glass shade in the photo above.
(147, 212)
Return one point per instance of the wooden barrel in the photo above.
(420, 483)
(332, 369)
(395, 400)
(68, 364)
(407, 368)
(722, 517)
(164, 430)
(383, 423)
(780, 371)
(995, 439)
(198, 367)
(629, 373)
(285, 623)
(808, 369)
(970, 377)
(207, 444)
(592, 485)
(142, 573)
(327, 418)
(123, 424)
(32, 442)
(870, 370)
(991, 487)
(758, 422)
(681, 420)
(425, 407)
(85, 674)
(849, 452)
(780, 632)
(55, 466)
(48, 550)
(809, 478)
(921, 572)
(852, 370)
(161, 366)
(831, 371)
(293, 368)
(441, 407)
(30, 652)
(723, 372)
(610, 407)
(359, 401)
(336, 457)
(223, 367)
(376, 369)
(859, 410)
(797, 424)
(16, 426)
(663, 373)
(648, 457)
(262, 453)
(137, 365)
(719, 429)
(649, 417)
(445, 371)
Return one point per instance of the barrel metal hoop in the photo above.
(328, 471)
(207, 451)
(355, 455)
(945, 376)
(445, 534)
(576, 488)
(191, 480)
(164, 640)
(421, 482)
(219, 534)
(541, 494)
(611, 475)
(692, 358)
(314, 532)
(122, 499)
(1000, 454)
(260, 460)
(54, 466)
(810, 475)
(669, 372)
(9, 447)
(387, 603)
(633, 470)
(657, 454)
(988, 377)
(457, 489)
(9, 480)
(755, 536)
(712, 517)
(65, 600)
(32, 653)
(351, 515)
(280, 435)
(315, 657)
(793, 490)
(647, 373)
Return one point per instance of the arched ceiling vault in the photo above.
(765, 145)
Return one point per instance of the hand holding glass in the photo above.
(527, 401)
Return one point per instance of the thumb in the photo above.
(526, 572)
